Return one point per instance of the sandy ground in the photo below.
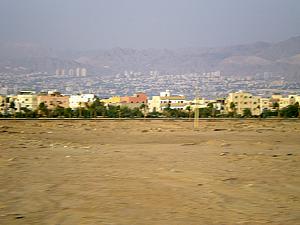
(149, 172)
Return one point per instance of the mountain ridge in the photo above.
(280, 58)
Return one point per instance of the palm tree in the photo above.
(276, 106)
(232, 108)
(189, 109)
(144, 108)
(12, 106)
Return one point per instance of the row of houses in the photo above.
(236, 102)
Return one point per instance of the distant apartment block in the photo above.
(111, 100)
(78, 72)
(166, 100)
(53, 100)
(26, 99)
(136, 98)
(81, 100)
(239, 101)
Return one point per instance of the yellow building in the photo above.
(290, 100)
(241, 101)
(284, 102)
(112, 100)
(265, 104)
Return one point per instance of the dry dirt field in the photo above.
(149, 172)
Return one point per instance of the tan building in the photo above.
(284, 102)
(3, 104)
(265, 104)
(241, 101)
(53, 100)
(159, 103)
(26, 99)
(294, 99)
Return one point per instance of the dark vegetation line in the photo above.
(98, 110)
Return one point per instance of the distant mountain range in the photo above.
(281, 58)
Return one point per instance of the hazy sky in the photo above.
(91, 24)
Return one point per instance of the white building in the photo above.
(83, 72)
(81, 100)
(165, 100)
(77, 72)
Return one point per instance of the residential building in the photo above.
(284, 102)
(26, 99)
(265, 104)
(53, 100)
(166, 100)
(111, 100)
(3, 105)
(139, 98)
(242, 101)
(81, 100)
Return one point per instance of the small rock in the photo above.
(275, 156)
(19, 217)
(219, 129)
(191, 143)
(145, 131)
(289, 154)
(67, 156)
(230, 179)
(175, 171)
(12, 159)
(225, 145)
(224, 153)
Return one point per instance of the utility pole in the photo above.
(196, 114)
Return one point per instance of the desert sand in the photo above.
(149, 172)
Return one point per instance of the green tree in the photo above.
(290, 111)
(113, 111)
(58, 111)
(43, 109)
(247, 112)
(68, 113)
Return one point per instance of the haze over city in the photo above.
(97, 24)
